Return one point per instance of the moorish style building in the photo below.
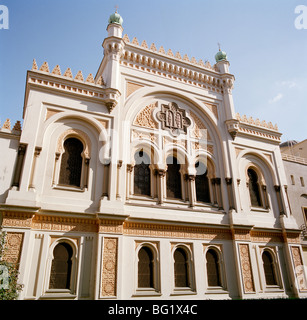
(143, 183)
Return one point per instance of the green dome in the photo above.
(116, 18)
(220, 56)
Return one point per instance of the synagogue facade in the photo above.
(142, 182)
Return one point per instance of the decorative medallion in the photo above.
(173, 119)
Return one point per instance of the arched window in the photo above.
(202, 183)
(61, 267)
(181, 268)
(254, 189)
(142, 174)
(145, 268)
(71, 164)
(213, 270)
(173, 178)
(269, 268)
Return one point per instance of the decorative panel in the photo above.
(246, 267)
(13, 247)
(299, 268)
(109, 267)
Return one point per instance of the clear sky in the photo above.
(267, 54)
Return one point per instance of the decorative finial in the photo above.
(116, 7)
(219, 45)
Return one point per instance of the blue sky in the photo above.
(267, 54)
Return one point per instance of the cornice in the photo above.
(174, 67)
(56, 82)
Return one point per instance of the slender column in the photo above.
(57, 157)
(20, 157)
(33, 171)
(238, 188)
(119, 165)
(279, 200)
(156, 184)
(213, 182)
(105, 183)
(230, 192)
(265, 197)
(86, 173)
(219, 193)
(129, 178)
(192, 190)
(161, 174)
(186, 187)
(286, 190)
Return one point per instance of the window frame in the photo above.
(208, 182)
(156, 289)
(278, 287)
(53, 292)
(180, 175)
(263, 189)
(218, 249)
(137, 195)
(191, 289)
(86, 157)
(61, 184)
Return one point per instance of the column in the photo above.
(33, 171)
(265, 197)
(219, 193)
(192, 190)
(213, 182)
(279, 200)
(119, 165)
(86, 173)
(19, 164)
(230, 193)
(161, 175)
(129, 178)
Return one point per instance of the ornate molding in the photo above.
(17, 219)
(173, 231)
(75, 133)
(64, 224)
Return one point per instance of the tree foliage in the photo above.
(9, 287)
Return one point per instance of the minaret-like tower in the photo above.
(113, 46)
(222, 64)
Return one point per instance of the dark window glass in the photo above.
(269, 270)
(213, 271)
(253, 186)
(202, 183)
(173, 178)
(71, 165)
(142, 174)
(61, 267)
(181, 268)
(145, 268)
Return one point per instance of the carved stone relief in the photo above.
(248, 282)
(173, 119)
(14, 245)
(299, 268)
(109, 268)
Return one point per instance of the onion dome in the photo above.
(116, 18)
(221, 56)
